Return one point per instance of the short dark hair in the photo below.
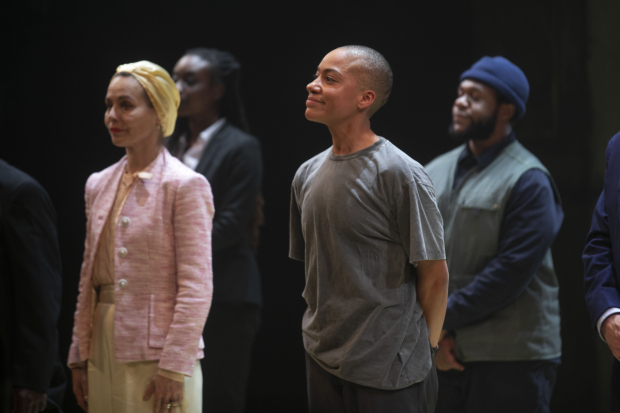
(374, 73)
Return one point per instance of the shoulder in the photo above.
(612, 150)
(179, 174)
(310, 165)
(97, 179)
(446, 158)
(12, 179)
(236, 139)
(396, 165)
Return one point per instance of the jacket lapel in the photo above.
(102, 204)
(210, 153)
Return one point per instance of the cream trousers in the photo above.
(118, 387)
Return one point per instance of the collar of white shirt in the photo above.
(192, 157)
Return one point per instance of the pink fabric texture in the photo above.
(164, 282)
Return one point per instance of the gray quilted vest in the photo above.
(529, 327)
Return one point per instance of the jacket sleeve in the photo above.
(29, 232)
(237, 198)
(193, 215)
(600, 283)
(74, 350)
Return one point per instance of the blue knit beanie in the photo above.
(503, 76)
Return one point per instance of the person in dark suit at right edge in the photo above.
(212, 138)
(601, 257)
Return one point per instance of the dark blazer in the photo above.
(30, 284)
(232, 163)
(601, 255)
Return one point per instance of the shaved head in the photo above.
(372, 72)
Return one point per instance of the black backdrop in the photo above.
(58, 57)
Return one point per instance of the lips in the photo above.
(313, 99)
(115, 130)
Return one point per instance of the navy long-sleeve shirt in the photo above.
(531, 221)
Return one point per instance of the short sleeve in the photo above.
(297, 244)
(419, 223)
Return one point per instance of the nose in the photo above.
(461, 102)
(110, 115)
(313, 87)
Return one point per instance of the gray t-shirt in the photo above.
(360, 222)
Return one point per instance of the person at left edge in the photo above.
(147, 261)
(30, 294)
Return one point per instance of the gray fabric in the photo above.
(529, 327)
(359, 222)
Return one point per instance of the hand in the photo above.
(166, 391)
(445, 359)
(611, 331)
(28, 401)
(80, 387)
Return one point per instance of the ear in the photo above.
(366, 99)
(506, 112)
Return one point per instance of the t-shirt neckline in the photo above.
(374, 146)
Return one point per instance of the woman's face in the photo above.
(199, 95)
(129, 117)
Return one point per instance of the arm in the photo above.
(421, 229)
(297, 245)
(599, 272)
(237, 201)
(192, 220)
(433, 294)
(29, 233)
(531, 221)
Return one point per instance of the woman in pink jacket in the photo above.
(146, 281)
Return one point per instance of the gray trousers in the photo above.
(330, 394)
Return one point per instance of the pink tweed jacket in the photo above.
(162, 272)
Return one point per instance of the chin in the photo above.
(313, 116)
(119, 142)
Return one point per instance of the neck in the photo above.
(201, 122)
(352, 136)
(500, 132)
(139, 157)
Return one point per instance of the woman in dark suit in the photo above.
(212, 138)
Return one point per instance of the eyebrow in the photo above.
(329, 70)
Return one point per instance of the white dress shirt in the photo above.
(192, 157)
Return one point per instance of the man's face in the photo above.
(474, 113)
(334, 94)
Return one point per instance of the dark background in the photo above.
(58, 57)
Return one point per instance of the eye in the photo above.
(126, 105)
(190, 81)
(330, 79)
(315, 76)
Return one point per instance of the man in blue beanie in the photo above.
(501, 344)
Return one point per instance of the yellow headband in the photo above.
(160, 89)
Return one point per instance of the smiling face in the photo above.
(129, 116)
(195, 84)
(334, 95)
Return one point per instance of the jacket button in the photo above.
(125, 222)
(122, 283)
(122, 252)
